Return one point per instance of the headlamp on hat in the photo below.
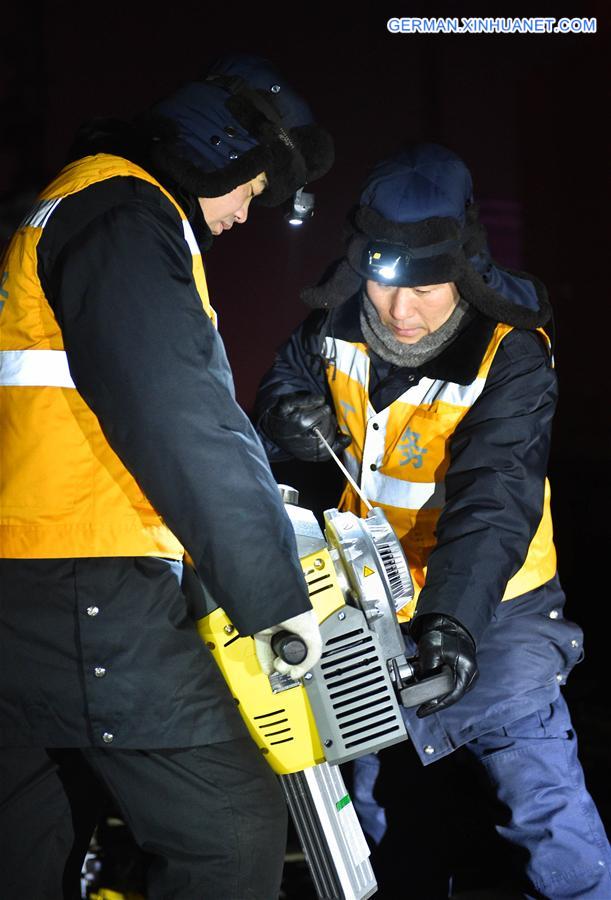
(385, 263)
(399, 265)
(301, 208)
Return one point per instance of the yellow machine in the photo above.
(107, 894)
(281, 724)
(349, 704)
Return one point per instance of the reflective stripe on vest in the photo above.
(49, 368)
(63, 490)
(399, 456)
(40, 213)
(35, 368)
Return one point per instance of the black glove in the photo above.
(442, 640)
(290, 425)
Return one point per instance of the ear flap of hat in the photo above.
(339, 284)
(291, 168)
(208, 184)
(505, 295)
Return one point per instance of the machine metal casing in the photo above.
(347, 705)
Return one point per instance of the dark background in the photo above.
(527, 113)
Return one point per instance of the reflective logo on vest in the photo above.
(409, 449)
(347, 408)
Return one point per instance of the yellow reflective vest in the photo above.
(63, 490)
(400, 455)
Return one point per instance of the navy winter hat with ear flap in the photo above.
(240, 119)
(416, 225)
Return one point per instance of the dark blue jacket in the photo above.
(499, 452)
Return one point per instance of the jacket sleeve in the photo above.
(494, 486)
(151, 366)
(297, 367)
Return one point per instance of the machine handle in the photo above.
(421, 690)
(289, 647)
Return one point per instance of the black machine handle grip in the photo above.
(289, 647)
(421, 690)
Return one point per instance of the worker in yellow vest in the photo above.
(122, 447)
(431, 365)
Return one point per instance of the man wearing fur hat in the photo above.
(122, 446)
(431, 366)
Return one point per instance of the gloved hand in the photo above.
(305, 625)
(442, 640)
(290, 423)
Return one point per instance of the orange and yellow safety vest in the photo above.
(63, 491)
(399, 458)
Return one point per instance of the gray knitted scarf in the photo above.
(382, 341)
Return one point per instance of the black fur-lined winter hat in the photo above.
(240, 119)
(416, 225)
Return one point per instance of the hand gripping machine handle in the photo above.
(412, 688)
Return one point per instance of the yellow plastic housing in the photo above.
(281, 724)
(108, 894)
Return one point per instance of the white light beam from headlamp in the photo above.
(343, 468)
(387, 271)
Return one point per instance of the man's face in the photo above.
(410, 313)
(221, 212)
